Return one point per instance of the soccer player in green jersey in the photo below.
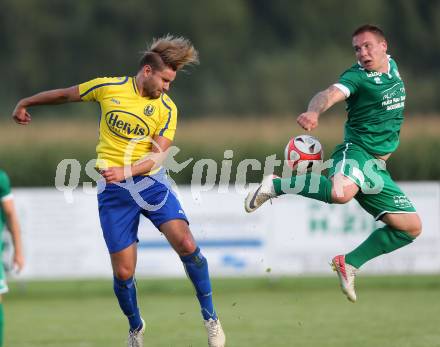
(8, 217)
(375, 97)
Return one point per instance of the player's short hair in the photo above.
(169, 51)
(369, 28)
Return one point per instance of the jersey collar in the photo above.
(389, 65)
(136, 91)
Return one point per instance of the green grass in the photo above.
(308, 312)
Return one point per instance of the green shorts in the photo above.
(378, 193)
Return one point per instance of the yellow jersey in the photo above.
(128, 121)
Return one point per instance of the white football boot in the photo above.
(346, 274)
(216, 336)
(260, 194)
(136, 337)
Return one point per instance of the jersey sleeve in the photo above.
(348, 83)
(168, 118)
(94, 90)
(5, 186)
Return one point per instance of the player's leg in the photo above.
(400, 230)
(409, 223)
(402, 226)
(124, 284)
(338, 189)
(272, 186)
(391, 206)
(166, 213)
(196, 266)
(119, 216)
(168, 216)
(341, 185)
(344, 189)
(179, 236)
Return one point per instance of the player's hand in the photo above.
(114, 174)
(308, 120)
(18, 262)
(20, 115)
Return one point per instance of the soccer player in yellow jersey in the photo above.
(137, 125)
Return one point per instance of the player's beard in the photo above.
(157, 94)
(151, 90)
(154, 93)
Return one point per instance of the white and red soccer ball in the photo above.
(302, 152)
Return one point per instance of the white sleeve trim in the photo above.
(7, 197)
(343, 89)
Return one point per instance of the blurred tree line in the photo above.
(257, 56)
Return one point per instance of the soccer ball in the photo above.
(302, 152)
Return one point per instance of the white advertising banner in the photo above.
(292, 236)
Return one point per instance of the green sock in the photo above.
(1, 324)
(381, 241)
(310, 185)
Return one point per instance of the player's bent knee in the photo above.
(123, 273)
(408, 223)
(416, 232)
(415, 227)
(186, 246)
(343, 189)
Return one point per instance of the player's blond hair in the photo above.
(174, 52)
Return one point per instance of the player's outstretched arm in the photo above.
(320, 103)
(50, 97)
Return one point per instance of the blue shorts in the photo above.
(120, 206)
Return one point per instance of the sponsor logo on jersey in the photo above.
(115, 101)
(394, 97)
(126, 125)
(149, 109)
(395, 90)
(374, 74)
(401, 201)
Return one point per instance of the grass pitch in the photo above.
(308, 312)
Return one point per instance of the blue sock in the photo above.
(196, 267)
(126, 293)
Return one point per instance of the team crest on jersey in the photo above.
(149, 110)
(126, 125)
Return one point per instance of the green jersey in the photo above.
(5, 192)
(375, 103)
